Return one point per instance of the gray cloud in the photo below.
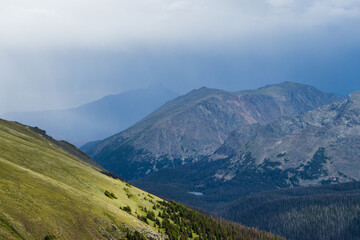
(128, 23)
(62, 53)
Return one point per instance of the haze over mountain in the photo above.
(194, 125)
(98, 119)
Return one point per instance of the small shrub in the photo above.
(49, 237)
(110, 194)
(151, 215)
(126, 209)
(143, 218)
(135, 236)
(157, 222)
(128, 185)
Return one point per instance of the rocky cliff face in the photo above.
(196, 124)
(321, 146)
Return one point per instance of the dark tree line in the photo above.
(181, 222)
(306, 213)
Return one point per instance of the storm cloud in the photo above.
(56, 54)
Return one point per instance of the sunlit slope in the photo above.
(45, 191)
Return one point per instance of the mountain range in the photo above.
(97, 119)
(263, 175)
(313, 148)
(283, 158)
(195, 125)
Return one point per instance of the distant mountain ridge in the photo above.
(314, 148)
(196, 124)
(98, 119)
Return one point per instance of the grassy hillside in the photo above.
(47, 193)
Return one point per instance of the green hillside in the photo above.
(47, 193)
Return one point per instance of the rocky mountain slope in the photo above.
(48, 193)
(321, 146)
(194, 125)
(98, 119)
(314, 148)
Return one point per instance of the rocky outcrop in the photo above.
(321, 146)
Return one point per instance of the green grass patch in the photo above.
(5, 224)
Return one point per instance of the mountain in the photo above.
(321, 146)
(313, 148)
(49, 193)
(194, 125)
(286, 158)
(98, 119)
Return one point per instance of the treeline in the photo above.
(325, 212)
(180, 222)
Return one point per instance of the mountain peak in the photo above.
(279, 88)
(355, 96)
(205, 90)
(286, 84)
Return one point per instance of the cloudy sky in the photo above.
(62, 53)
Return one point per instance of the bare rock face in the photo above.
(321, 146)
(355, 97)
(192, 126)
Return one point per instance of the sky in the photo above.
(63, 53)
